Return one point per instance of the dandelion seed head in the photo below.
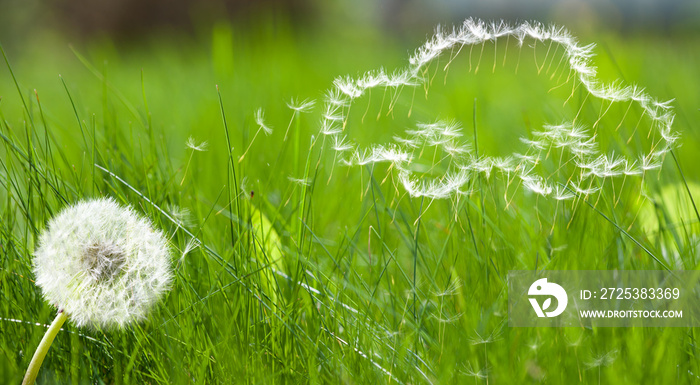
(102, 263)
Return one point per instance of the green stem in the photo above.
(43, 347)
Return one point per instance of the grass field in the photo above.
(294, 268)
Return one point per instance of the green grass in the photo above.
(412, 287)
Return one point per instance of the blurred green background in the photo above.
(275, 50)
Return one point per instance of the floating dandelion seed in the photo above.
(305, 105)
(300, 182)
(298, 107)
(480, 374)
(192, 244)
(602, 360)
(340, 144)
(260, 121)
(479, 340)
(259, 118)
(102, 265)
(191, 144)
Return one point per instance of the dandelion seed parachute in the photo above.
(102, 263)
(260, 121)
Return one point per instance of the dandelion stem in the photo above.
(43, 348)
(294, 114)
(249, 145)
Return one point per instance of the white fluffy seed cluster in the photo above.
(103, 264)
(571, 138)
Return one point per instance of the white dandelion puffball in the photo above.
(102, 263)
